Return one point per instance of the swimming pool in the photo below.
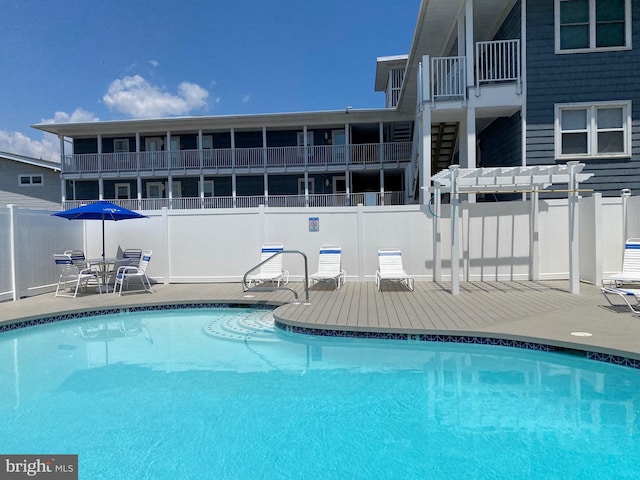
(219, 393)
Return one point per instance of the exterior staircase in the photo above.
(444, 138)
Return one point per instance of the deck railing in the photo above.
(495, 62)
(252, 201)
(227, 159)
(498, 61)
(448, 78)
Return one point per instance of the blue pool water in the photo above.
(219, 393)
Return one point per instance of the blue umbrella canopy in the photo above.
(101, 210)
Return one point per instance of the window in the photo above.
(120, 145)
(207, 142)
(30, 180)
(599, 130)
(584, 25)
(207, 188)
(123, 191)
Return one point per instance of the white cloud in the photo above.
(15, 142)
(78, 116)
(136, 97)
(49, 147)
(154, 63)
(246, 98)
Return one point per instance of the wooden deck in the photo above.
(539, 312)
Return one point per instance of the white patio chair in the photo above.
(78, 258)
(71, 273)
(131, 257)
(329, 266)
(630, 266)
(127, 272)
(272, 270)
(390, 268)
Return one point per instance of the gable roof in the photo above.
(38, 162)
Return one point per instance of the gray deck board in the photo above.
(542, 312)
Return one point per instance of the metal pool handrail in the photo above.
(247, 288)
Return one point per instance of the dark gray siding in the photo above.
(500, 142)
(579, 77)
(511, 27)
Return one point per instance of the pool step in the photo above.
(243, 327)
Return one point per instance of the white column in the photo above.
(455, 234)
(63, 183)
(138, 153)
(598, 234)
(100, 189)
(425, 169)
(470, 50)
(437, 234)
(534, 237)
(99, 140)
(200, 145)
(233, 166)
(574, 240)
(139, 185)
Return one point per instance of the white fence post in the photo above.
(15, 278)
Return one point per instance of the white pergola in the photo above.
(456, 181)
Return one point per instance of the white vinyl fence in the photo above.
(200, 246)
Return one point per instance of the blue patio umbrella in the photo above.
(101, 210)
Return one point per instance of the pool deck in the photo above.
(538, 312)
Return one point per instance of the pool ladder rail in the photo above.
(261, 288)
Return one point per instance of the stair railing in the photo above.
(259, 288)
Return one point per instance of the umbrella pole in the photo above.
(103, 257)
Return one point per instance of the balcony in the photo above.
(313, 200)
(229, 160)
(496, 63)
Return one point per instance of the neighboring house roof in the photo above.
(38, 162)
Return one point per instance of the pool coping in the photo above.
(493, 339)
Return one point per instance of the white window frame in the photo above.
(310, 184)
(31, 178)
(202, 188)
(592, 130)
(127, 187)
(207, 142)
(592, 30)
(119, 145)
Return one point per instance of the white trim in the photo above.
(31, 177)
(202, 188)
(592, 130)
(592, 30)
(310, 185)
(120, 185)
(118, 145)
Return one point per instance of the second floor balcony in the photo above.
(227, 160)
(496, 63)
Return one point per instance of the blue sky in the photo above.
(87, 60)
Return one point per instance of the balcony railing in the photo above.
(495, 62)
(252, 201)
(227, 159)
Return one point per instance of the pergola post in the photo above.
(574, 238)
(437, 235)
(455, 234)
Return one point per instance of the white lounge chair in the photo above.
(127, 272)
(630, 297)
(272, 270)
(71, 273)
(630, 266)
(390, 268)
(329, 266)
